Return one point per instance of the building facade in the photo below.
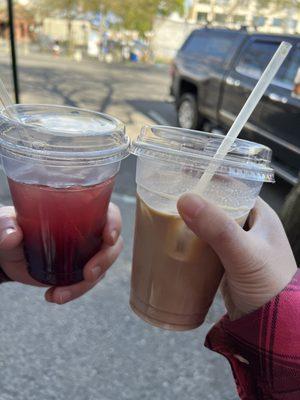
(237, 13)
(62, 30)
(168, 35)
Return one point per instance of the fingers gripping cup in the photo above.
(175, 274)
(61, 164)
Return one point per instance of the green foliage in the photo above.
(53, 7)
(103, 6)
(138, 14)
(134, 14)
(167, 7)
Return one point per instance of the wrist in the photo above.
(242, 299)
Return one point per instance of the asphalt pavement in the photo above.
(95, 348)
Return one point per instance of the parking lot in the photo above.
(96, 348)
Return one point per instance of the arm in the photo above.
(260, 336)
(263, 348)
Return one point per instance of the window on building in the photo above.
(220, 17)
(202, 17)
(277, 22)
(259, 21)
(239, 19)
(292, 69)
(256, 57)
(292, 23)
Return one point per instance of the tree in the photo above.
(142, 13)
(136, 15)
(102, 6)
(167, 7)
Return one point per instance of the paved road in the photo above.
(95, 348)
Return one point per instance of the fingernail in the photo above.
(64, 296)
(190, 206)
(6, 232)
(96, 272)
(114, 236)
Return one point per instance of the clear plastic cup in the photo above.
(61, 164)
(175, 275)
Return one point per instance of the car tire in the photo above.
(188, 116)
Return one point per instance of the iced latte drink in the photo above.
(175, 275)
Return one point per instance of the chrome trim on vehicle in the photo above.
(278, 99)
(275, 82)
(287, 176)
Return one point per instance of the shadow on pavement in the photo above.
(125, 183)
(161, 112)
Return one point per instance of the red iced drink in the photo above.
(61, 163)
(62, 227)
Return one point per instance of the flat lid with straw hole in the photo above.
(245, 160)
(48, 132)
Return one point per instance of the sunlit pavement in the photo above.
(95, 348)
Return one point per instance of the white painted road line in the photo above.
(158, 118)
(124, 198)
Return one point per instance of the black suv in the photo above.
(214, 73)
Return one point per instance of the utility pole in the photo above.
(10, 7)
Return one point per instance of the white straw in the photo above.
(6, 101)
(244, 115)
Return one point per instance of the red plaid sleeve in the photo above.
(263, 347)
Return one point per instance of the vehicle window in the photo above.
(192, 44)
(293, 70)
(207, 44)
(256, 57)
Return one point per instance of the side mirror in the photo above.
(296, 89)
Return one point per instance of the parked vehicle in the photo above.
(213, 74)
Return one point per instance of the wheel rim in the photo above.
(186, 115)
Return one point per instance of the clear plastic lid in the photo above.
(245, 160)
(62, 134)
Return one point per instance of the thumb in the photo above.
(215, 227)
